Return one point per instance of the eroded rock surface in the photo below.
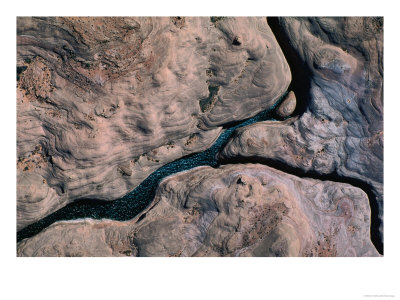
(288, 106)
(235, 210)
(103, 102)
(341, 130)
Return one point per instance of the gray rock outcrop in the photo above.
(341, 130)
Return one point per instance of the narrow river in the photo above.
(137, 200)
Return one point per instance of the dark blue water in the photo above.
(137, 200)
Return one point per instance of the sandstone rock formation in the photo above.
(103, 102)
(234, 210)
(341, 129)
(288, 105)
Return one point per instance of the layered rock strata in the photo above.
(234, 210)
(103, 102)
(341, 130)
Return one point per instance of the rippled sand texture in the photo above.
(103, 102)
(234, 210)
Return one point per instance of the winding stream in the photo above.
(134, 202)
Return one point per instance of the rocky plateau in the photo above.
(235, 210)
(103, 102)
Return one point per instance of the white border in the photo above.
(156, 278)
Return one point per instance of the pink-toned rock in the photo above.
(234, 210)
(341, 129)
(103, 102)
(288, 105)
